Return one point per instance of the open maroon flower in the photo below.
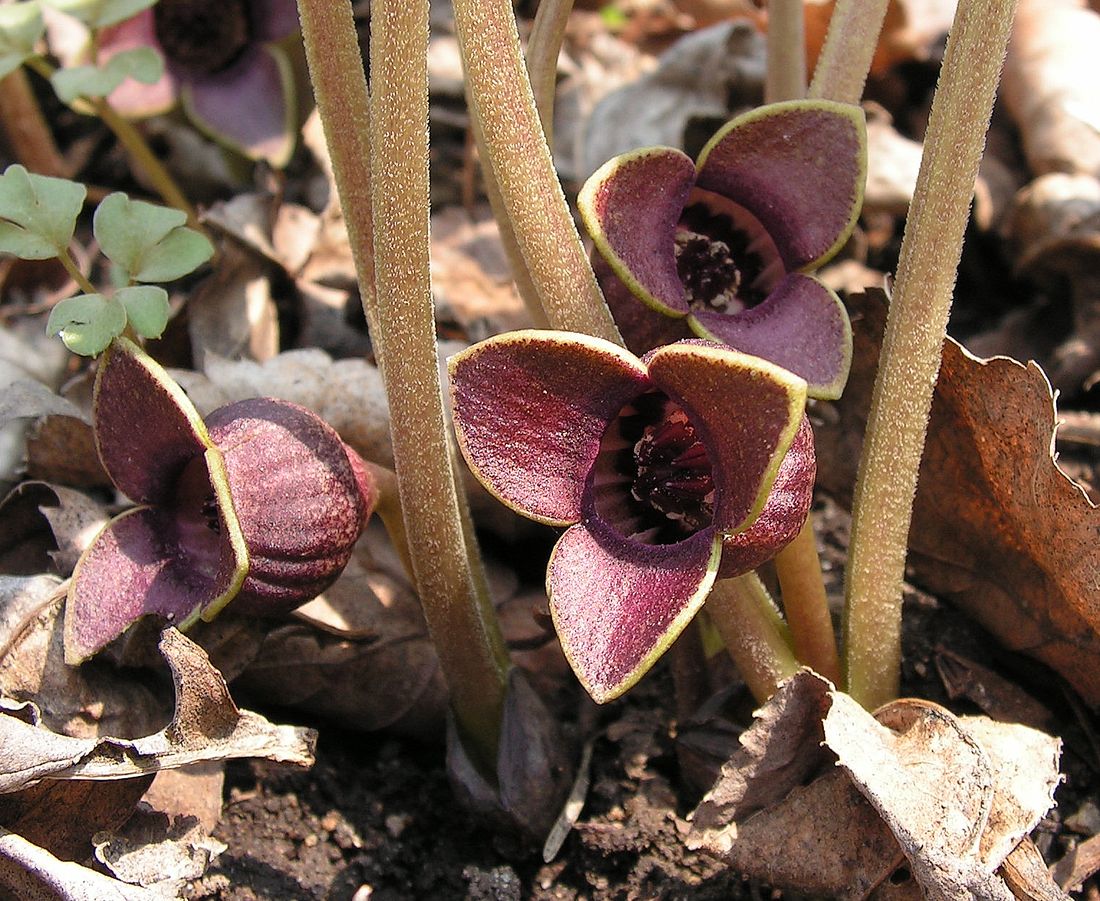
(722, 246)
(222, 63)
(262, 503)
(655, 465)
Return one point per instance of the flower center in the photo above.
(202, 36)
(725, 258)
(653, 478)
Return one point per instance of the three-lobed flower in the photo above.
(669, 471)
(720, 248)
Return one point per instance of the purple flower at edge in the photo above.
(260, 504)
(223, 64)
(693, 463)
(720, 248)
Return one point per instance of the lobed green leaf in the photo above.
(149, 242)
(37, 213)
(101, 13)
(21, 26)
(143, 64)
(87, 322)
(146, 309)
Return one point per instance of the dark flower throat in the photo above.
(203, 36)
(653, 479)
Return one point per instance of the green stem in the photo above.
(66, 260)
(806, 606)
(911, 350)
(130, 138)
(850, 45)
(459, 615)
(515, 149)
(786, 76)
(755, 634)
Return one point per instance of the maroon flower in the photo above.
(222, 63)
(654, 464)
(721, 247)
(263, 503)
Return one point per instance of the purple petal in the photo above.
(618, 604)
(275, 19)
(132, 98)
(799, 167)
(145, 561)
(784, 512)
(146, 429)
(801, 326)
(630, 207)
(249, 106)
(642, 327)
(747, 412)
(530, 408)
(296, 495)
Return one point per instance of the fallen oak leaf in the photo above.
(998, 529)
(206, 726)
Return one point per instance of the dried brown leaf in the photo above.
(998, 529)
(206, 726)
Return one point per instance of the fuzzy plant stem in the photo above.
(850, 44)
(755, 635)
(912, 347)
(459, 615)
(786, 75)
(543, 47)
(516, 151)
(806, 605)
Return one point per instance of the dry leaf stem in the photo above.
(458, 612)
(850, 44)
(911, 350)
(515, 149)
(786, 75)
(756, 637)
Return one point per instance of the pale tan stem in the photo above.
(786, 76)
(457, 612)
(805, 605)
(850, 44)
(387, 505)
(911, 350)
(516, 150)
(543, 47)
(755, 635)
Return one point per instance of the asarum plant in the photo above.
(692, 463)
(262, 503)
(723, 245)
(222, 62)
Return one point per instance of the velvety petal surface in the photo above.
(249, 106)
(630, 207)
(747, 411)
(642, 327)
(801, 325)
(297, 497)
(800, 167)
(132, 98)
(784, 512)
(618, 604)
(530, 408)
(146, 428)
(146, 561)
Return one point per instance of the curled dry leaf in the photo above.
(46, 527)
(27, 871)
(998, 529)
(206, 726)
(1048, 85)
(955, 796)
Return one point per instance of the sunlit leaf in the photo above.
(87, 323)
(148, 241)
(146, 309)
(37, 213)
(143, 64)
(20, 28)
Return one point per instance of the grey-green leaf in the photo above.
(37, 213)
(181, 252)
(141, 63)
(20, 28)
(146, 309)
(87, 323)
